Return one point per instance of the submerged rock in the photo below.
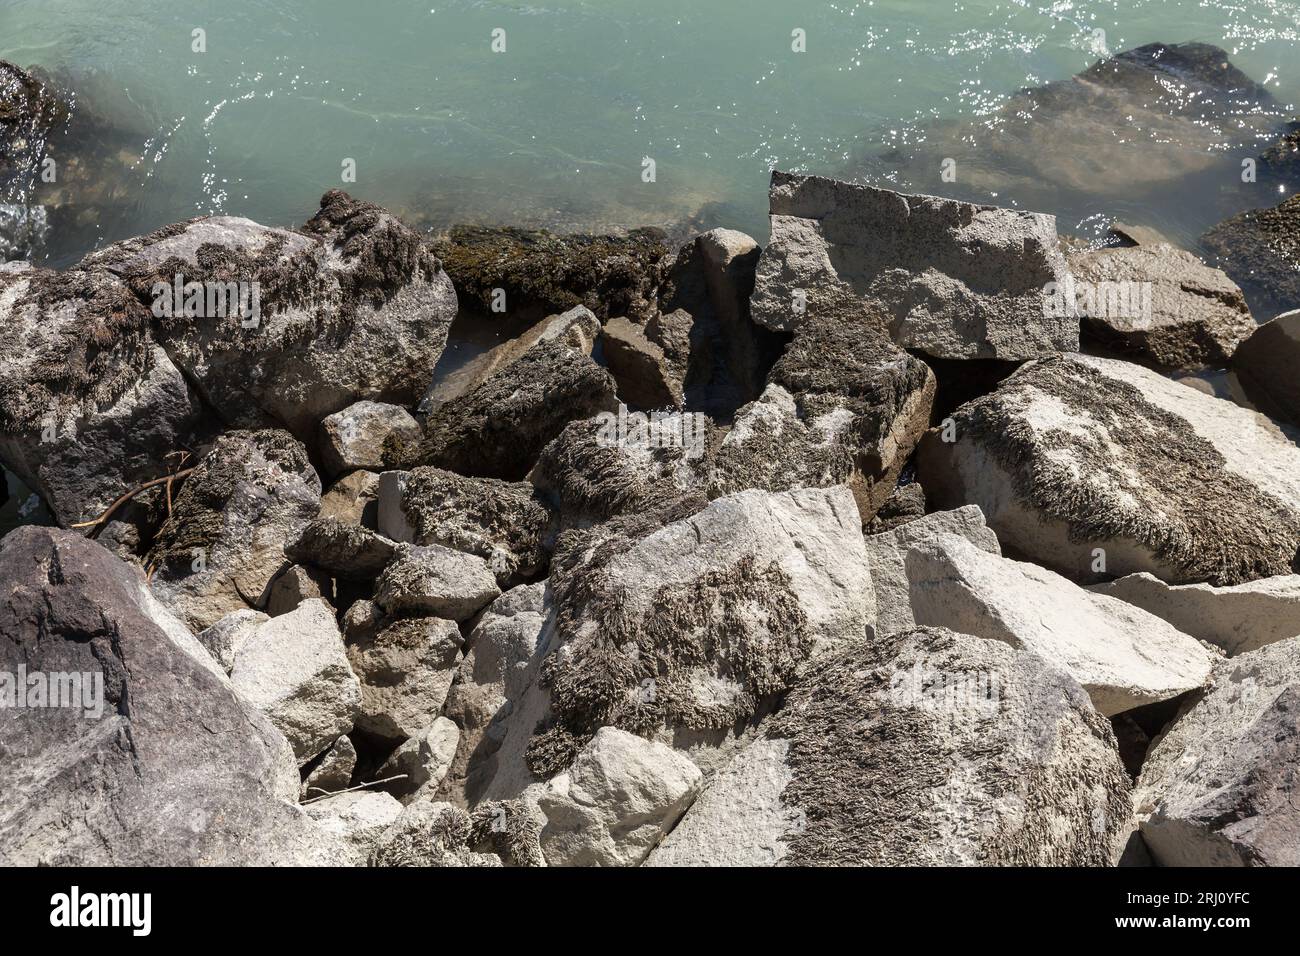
(1260, 251)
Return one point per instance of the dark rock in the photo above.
(1260, 251)
(343, 549)
(1266, 364)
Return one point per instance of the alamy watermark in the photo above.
(946, 693)
(38, 690)
(208, 300)
(686, 430)
(1097, 300)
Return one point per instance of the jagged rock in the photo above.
(224, 543)
(345, 550)
(294, 669)
(354, 438)
(730, 260)
(1159, 304)
(1265, 365)
(842, 406)
(1259, 250)
(296, 584)
(642, 372)
(1093, 466)
(90, 406)
(616, 801)
(423, 760)
(354, 306)
(405, 668)
(429, 834)
(887, 555)
(1121, 655)
(905, 503)
(431, 579)
(920, 748)
(1218, 789)
(178, 769)
(952, 279)
(1239, 618)
(354, 498)
(359, 819)
(333, 771)
(224, 639)
(505, 523)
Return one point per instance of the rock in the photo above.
(505, 523)
(1092, 466)
(30, 114)
(1138, 235)
(294, 669)
(90, 405)
(616, 802)
(354, 498)
(951, 279)
(296, 584)
(1239, 618)
(1281, 161)
(176, 769)
(333, 771)
(405, 669)
(921, 748)
(1265, 366)
(345, 550)
(224, 543)
(905, 503)
(1218, 789)
(730, 260)
(352, 307)
(224, 639)
(359, 818)
(429, 834)
(842, 406)
(424, 761)
(354, 438)
(1159, 304)
(1259, 250)
(1121, 655)
(644, 376)
(431, 579)
(887, 555)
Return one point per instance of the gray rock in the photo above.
(1258, 250)
(952, 279)
(354, 498)
(405, 669)
(333, 772)
(354, 438)
(905, 503)
(178, 769)
(294, 669)
(223, 639)
(730, 259)
(431, 579)
(296, 584)
(359, 819)
(1265, 365)
(344, 549)
(615, 803)
(1218, 789)
(644, 376)
(423, 762)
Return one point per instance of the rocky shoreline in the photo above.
(921, 535)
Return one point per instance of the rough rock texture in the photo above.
(642, 372)
(616, 801)
(354, 438)
(224, 543)
(345, 550)
(1281, 161)
(296, 584)
(353, 498)
(354, 306)
(431, 579)
(952, 279)
(1239, 618)
(505, 523)
(905, 503)
(178, 770)
(332, 772)
(429, 834)
(1159, 304)
(920, 748)
(1260, 251)
(359, 818)
(294, 669)
(224, 639)
(843, 405)
(887, 555)
(423, 760)
(1218, 789)
(405, 669)
(1266, 364)
(1077, 454)
(1121, 655)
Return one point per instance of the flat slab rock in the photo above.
(952, 279)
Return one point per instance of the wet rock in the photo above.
(178, 769)
(333, 771)
(359, 819)
(1093, 466)
(1281, 161)
(422, 761)
(1239, 618)
(345, 550)
(1161, 305)
(223, 545)
(1133, 235)
(405, 668)
(296, 584)
(431, 579)
(1121, 655)
(1028, 775)
(1265, 365)
(951, 279)
(30, 114)
(224, 639)
(1218, 789)
(294, 669)
(616, 802)
(505, 523)
(643, 374)
(429, 834)
(354, 438)
(1259, 250)
(354, 498)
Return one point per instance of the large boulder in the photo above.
(354, 438)
(164, 763)
(1259, 250)
(921, 748)
(1218, 789)
(949, 278)
(1265, 365)
(346, 550)
(431, 579)
(405, 667)
(1099, 467)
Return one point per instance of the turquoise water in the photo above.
(554, 130)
